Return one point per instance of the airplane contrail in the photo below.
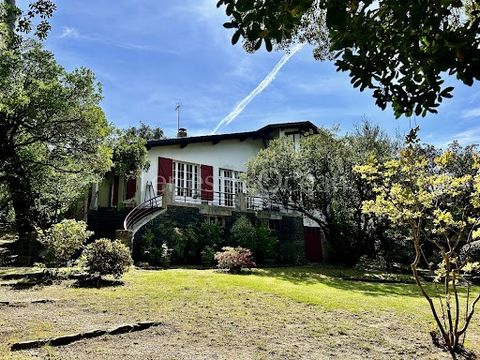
(260, 87)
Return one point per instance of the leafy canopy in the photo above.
(398, 49)
(53, 134)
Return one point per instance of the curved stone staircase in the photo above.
(143, 213)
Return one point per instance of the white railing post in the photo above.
(168, 194)
(94, 199)
(240, 201)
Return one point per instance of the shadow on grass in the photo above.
(344, 279)
(31, 283)
(39, 279)
(96, 282)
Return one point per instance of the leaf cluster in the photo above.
(397, 49)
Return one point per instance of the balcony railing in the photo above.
(230, 200)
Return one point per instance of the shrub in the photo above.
(186, 244)
(266, 243)
(243, 233)
(150, 246)
(234, 259)
(63, 240)
(210, 235)
(106, 257)
(208, 256)
(260, 240)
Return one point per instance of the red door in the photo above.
(165, 172)
(116, 186)
(313, 243)
(131, 188)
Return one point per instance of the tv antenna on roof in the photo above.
(177, 109)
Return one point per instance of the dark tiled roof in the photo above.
(260, 133)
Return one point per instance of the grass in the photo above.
(272, 308)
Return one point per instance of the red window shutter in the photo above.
(116, 186)
(206, 185)
(131, 188)
(165, 168)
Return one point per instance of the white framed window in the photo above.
(229, 184)
(186, 177)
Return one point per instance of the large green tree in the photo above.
(53, 132)
(317, 180)
(398, 49)
(130, 149)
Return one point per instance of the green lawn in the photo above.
(271, 313)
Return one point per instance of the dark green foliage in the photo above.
(129, 154)
(150, 247)
(398, 49)
(209, 236)
(266, 244)
(260, 240)
(52, 138)
(106, 257)
(146, 132)
(208, 256)
(290, 252)
(129, 149)
(186, 244)
(243, 234)
(331, 193)
(15, 24)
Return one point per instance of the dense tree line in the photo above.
(318, 180)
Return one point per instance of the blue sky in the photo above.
(149, 54)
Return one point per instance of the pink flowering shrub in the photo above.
(234, 259)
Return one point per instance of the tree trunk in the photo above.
(26, 247)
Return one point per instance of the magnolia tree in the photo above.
(441, 207)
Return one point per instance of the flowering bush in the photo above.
(234, 259)
(63, 240)
(106, 257)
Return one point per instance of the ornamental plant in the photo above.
(63, 240)
(260, 240)
(234, 259)
(440, 206)
(106, 257)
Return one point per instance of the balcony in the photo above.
(238, 201)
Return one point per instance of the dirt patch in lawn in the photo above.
(207, 322)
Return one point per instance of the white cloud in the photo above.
(471, 114)
(69, 32)
(465, 137)
(73, 33)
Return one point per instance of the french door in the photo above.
(186, 179)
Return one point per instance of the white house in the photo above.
(203, 172)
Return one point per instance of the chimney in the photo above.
(182, 133)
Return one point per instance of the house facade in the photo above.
(200, 177)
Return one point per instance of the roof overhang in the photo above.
(262, 133)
